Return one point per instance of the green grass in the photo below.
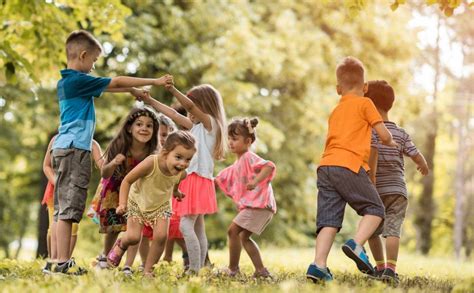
(417, 274)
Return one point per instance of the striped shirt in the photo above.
(390, 175)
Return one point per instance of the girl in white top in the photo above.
(206, 121)
(146, 193)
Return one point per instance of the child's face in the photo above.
(142, 129)
(178, 159)
(163, 133)
(238, 144)
(88, 59)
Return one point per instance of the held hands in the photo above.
(121, 209)
(166, 81)
(178, 195)
(118, 160)
(140, 94)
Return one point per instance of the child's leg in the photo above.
(252, 250)
(367, 226)
(392, 244)
(74, 230)
(131, 254)
(376, 246)
(235, 246)
(144, 249)
(133, 234)
(324, 241)
(160, 234)
(63, 237)
(192, 242)
(169, 250)
(109, 241)
(200, 229)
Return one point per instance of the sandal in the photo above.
(113, 258)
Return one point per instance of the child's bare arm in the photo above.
(176, 193)
(384, 134)
(169, 112)
(421, 164)
(97, 154)
(109, 168)
(47, 168)
(141, 170)
(373, 158)
(127, 82)
(189, 105)
(264, 173)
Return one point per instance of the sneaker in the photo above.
(48, 268)
(70, 268)
(127, 271)
(391, 277)
(317, 275)
(264, 274)
(101, 262)
(377, 274)
(357, 253)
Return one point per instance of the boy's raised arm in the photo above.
(127, 82)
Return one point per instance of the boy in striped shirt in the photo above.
(387, 173)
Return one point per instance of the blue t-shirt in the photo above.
(76, 92)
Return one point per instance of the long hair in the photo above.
(209, 100)
(122, 141)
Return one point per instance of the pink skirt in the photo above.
(200, 196)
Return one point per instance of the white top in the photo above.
(202, 162)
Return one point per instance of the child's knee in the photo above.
(160, 239)
(232, 231)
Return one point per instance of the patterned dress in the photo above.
(106, 201)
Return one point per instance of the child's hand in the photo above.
(121, 209)
(178, 195)
(251, 185)
(118, 160)
(140, 94)
(423, 169)
(165, 80)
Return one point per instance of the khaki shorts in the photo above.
(253, 220)
(395, 211)
(73, 171)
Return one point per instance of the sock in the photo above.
(380, 264)
(392, 264)
(325, 269)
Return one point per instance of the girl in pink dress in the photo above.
(248, 183)
(206, 121)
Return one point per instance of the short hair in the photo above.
(381, 93)
(80, 40)
(244, 127)
(179, 137)
(350, 73)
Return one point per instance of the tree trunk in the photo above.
(426, 205)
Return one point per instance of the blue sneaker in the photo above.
(317, 275)
(357, 253)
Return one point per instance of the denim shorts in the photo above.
(72, 168)
(338, 186)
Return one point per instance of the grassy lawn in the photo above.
(417, 273)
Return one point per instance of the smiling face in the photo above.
(163, 133)
(142, 129)
(178, 159)
(238, 144)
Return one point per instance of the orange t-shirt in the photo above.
(349, 133)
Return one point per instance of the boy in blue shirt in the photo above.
(71, 150)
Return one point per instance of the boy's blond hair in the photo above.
(350, 73)
(81, 40)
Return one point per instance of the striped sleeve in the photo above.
(409, 148)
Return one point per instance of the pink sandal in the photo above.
(113, 258)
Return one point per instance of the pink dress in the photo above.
(233, 182)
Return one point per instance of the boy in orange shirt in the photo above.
(343, 172)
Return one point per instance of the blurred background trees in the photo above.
(271, 60)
